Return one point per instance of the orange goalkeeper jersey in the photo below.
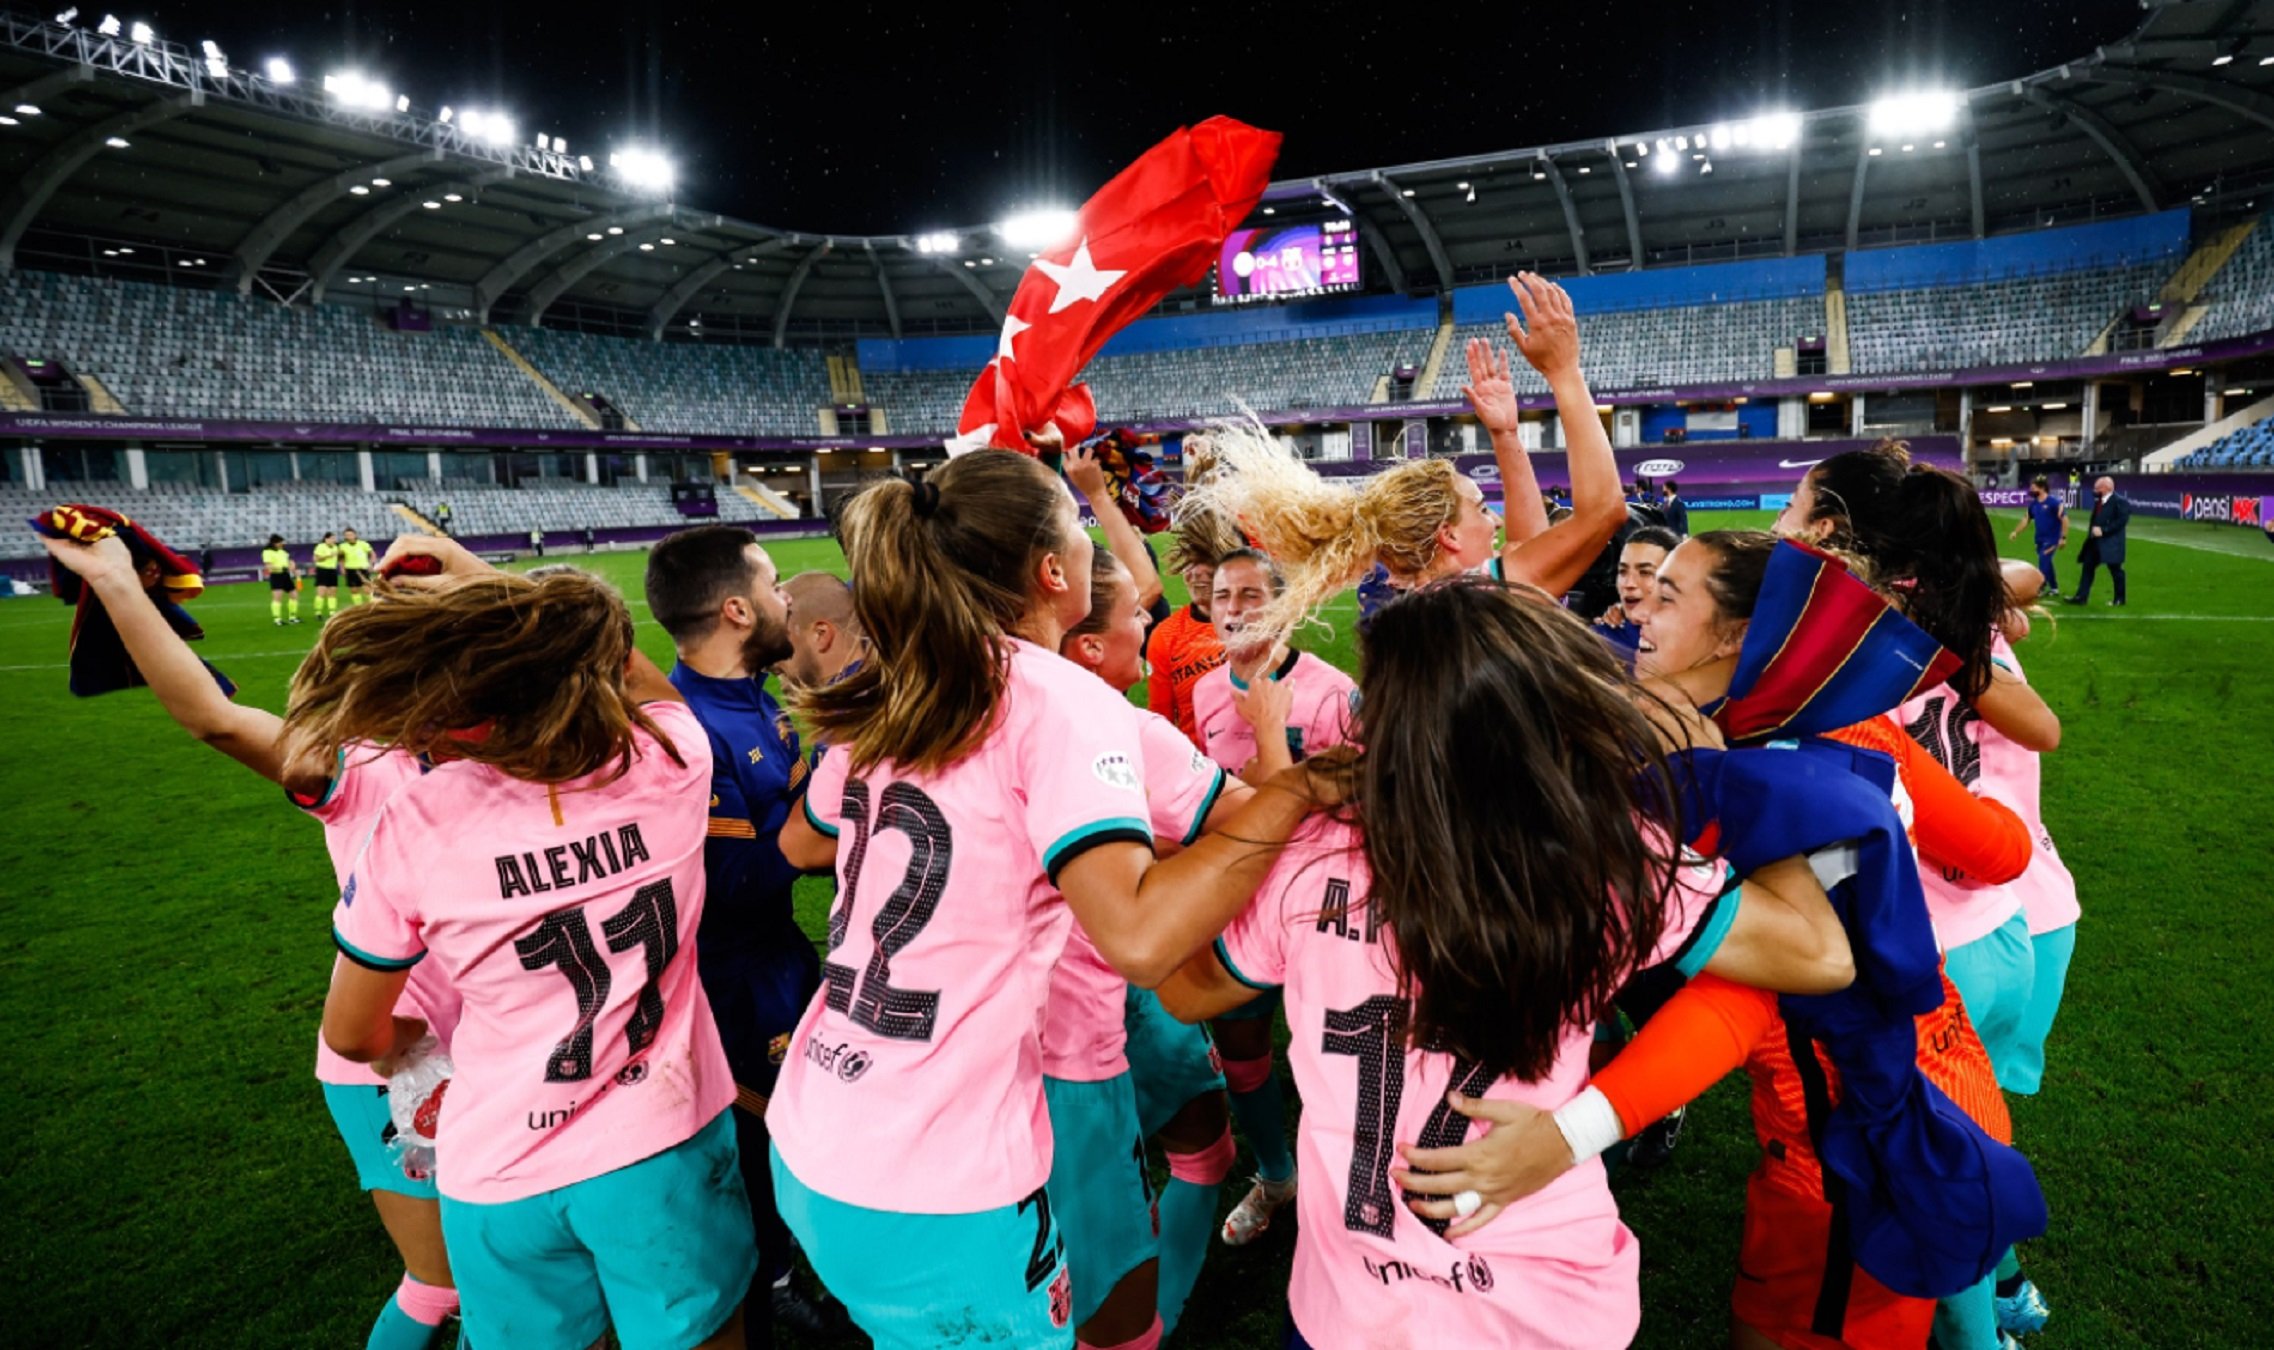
(1182, 648)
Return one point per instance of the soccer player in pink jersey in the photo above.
(1442, 949)
(552, 865)
(1264, 709)
(1423, 519)
(980, 795)
(1108, 1084)
(1099, 1026)
(343, 793)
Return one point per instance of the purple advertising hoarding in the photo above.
(1717, 471)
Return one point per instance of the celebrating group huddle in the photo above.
(1799, 835)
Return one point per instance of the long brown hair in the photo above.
(1928, 540)
(523, 674)
(940, 577)
(1325, 536)
(1518, 819)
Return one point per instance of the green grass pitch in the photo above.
(172, 1178)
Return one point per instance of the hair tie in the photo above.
(927, 498)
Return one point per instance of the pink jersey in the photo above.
(1557, 1269)
(365, 778)
(1995, 766)
(1084, 1031)
(1325, 700)
(566, 920)
(914, 1082)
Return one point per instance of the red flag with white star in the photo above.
(1157, 226)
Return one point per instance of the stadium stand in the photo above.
(1638, 348)
(1993, 322)
(721, 388)
(167, 351)
(1335, 370)
(194, 518)
(2241, 294)
(2250, 447)
(575, 507)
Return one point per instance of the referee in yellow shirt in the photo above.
(355, 567)
(327, 561)
(283, 581)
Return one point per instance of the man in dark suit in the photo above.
(2104, 539)
(1674, 509)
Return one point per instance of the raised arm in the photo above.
(1493, 395)
(185, 688)
(1088, 478)
(2019, 712)
(1549, 338)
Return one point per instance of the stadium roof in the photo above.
(192, 163)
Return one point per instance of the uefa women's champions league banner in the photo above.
(1715, 475)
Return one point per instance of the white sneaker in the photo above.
(1253, 1214)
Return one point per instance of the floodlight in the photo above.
(938, 241)
(1586, 169)
(1719, 137)
(28, 109)
(1666, 164)
(446, 114)
(354, 90)
(1776, 131)
(1875, 152)
(1041, 229)
(1681, 142)
(1460, 187)
(431, 205)
(382, 182)
(1405, 192)
(544, 142)
(584, 162)
(68, 15)
(1741, 135)
(360, 190)
(615, 229)
(116, 142)
(643, 168)
(667, 243)
(109, 26)
(1907, 114)
(596, 236)
(647, 248)
(1642, 149)
(279, 70)
(492, 128)
(402, 103)
(560, 145)
(452, 197)
(141, 34)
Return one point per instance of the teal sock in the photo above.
(1188, 1224)
(2009, 1266)
(1968, 1320)
(1262, 1113)
(398, 1330)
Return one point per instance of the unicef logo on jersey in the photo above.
(1658, 468)
(1115, 771)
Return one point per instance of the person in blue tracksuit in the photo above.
(716, 592)
(2049, 515)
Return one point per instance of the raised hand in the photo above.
(94, 562)
(1085, 473)
(1549, 333)
(1265, 704)
(455, 559)
(1489, 390)
(1521, 1152)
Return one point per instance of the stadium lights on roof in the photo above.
(643, 168)
(354, 90)
(1038, 229)
(1906, 114)
(492, 128)
(937, 241)
(584, 162)
(216, 64)
(116, 142)
(560, 145)
(142, 34)
(279, 70)
(68, 15)
(28, 109)
(109, 26)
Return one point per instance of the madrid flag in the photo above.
(1157, 226)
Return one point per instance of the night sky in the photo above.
(869, 118)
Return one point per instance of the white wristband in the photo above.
(1590, 1124)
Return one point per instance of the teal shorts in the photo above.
(1996, 974)
(1170, 1062)
(1099, 1186)
(365, 1125)
(2053, 951)
(661, 1249)
(1262, 1008)
(994, 1278)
